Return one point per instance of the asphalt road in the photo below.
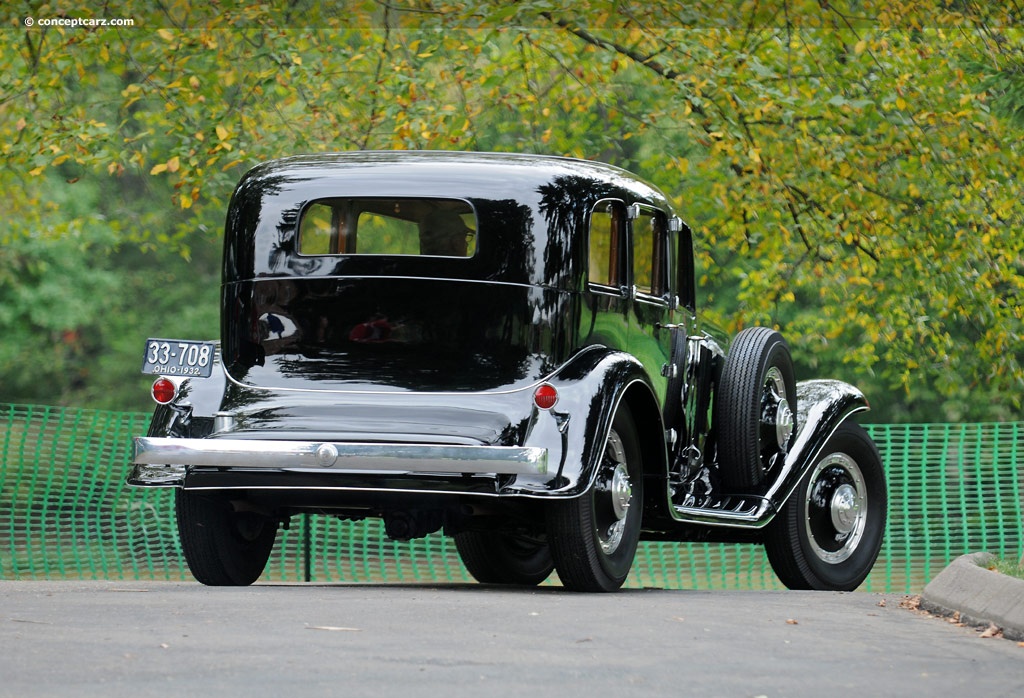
(137, 639)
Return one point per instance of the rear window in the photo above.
(383, 226)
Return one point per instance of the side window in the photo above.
(650, 257)
(316, 230)
(606, 225)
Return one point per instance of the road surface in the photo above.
(136, 639)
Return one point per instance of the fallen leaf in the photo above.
(992, 630)
(882, 603)
(911, 602)
(792, 621)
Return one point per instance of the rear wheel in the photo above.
(501, 557)
(828, 534)
(593, 537)
(223, 547)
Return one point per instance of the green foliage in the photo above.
(1009, 567)
(850, 169)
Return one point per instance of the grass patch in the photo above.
(1009, 567)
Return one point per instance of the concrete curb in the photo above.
(979, 595)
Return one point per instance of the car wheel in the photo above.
(500, 557)
(828, 534)
(755, 409)
(223, 547)
(593, 537)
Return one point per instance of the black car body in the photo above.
(504, 347)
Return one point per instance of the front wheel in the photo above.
(828, 534)
(223, 547)
(593, 537)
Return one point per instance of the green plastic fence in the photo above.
(65, 513)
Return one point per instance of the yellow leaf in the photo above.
(859, 48)
(158, 169)
(166, 34)
(37, 171)
(222, 133)
(297, 60)
(173, 164)
(21, 124)
(185, 200)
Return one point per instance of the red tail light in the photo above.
(545, 396)
(164, 390)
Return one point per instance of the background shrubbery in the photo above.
(851, 169)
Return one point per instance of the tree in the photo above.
(850, 168)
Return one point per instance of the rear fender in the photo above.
(591, 387)
(194, 407)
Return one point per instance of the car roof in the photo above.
(538, 200)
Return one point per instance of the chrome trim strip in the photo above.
(342, 457)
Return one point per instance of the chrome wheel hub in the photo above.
(777, 420)
(614, 493)
(621, 490)
(783, 423)
(845, 509)
(835, 508)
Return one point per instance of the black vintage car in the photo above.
(502, 347)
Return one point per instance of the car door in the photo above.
(607, 298)
(652, 300)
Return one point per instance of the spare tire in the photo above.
(755, 409)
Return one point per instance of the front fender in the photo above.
(822, 405)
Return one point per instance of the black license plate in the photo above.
(178, 357)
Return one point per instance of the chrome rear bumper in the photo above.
(338, 457)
